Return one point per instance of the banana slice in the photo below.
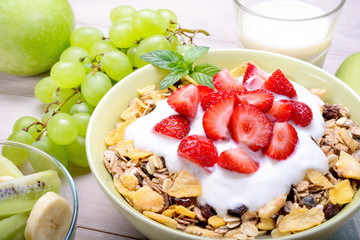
(49, 219)
(5, 178)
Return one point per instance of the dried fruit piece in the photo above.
(185, 100)
(272, 207)
(216, 119)
(175, 126)
(342, 193)
(318, 179)
(283, 142)
(309, 201)
(199, 150)
(223, 81)
(238, 211)
(347, 166)
(236, 159)
(331, 210)
(279, 84)
(300, 219)
(162, 219)
(185, 185)
(249, 125)
(146, 199)
(216, 221)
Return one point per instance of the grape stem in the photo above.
(188, 33)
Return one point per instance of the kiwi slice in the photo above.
(13, 228)
(20, 194)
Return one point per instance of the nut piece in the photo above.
(272, 207)
(300, 219)
(318, 178)
(185, 185)
(146, 199)
(216, 221)
(342, 193)
(162, 219)
(347, 166)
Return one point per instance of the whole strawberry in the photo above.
(199, 150)
(301, 113)
(175, 126)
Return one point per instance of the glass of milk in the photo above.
(299, 28)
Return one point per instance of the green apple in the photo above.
(33, 34)
(349, 71)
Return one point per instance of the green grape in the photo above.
(45, 116)
(101, 47)
(25, 122)
(64, 94)
(147, 22)
(67, 74)
(51, 148)
(44, 89)
(150, 44)
(116, 65)
(62, 129)
(95, 86)
(16, 155)
(73, 54)
(82, 120)
(170, 18)
(174, 42)
(123, 35)
(85, 37)
(88, 67)
(131, 54)
(183, 48)
(122, 12)
(77, 153)
(82, 107)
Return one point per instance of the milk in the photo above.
(307, 40)
(224, 189)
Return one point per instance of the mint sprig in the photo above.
(181, 66)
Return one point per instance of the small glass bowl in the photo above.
(68, 189)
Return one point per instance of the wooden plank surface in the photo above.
(98, 218)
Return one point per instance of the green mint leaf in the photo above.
(178, 65)
(163, 58)
(172, 78)
(203, 79)
(207, 69)
(194, 53)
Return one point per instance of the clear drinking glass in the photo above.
(47, 162)
(299, 28)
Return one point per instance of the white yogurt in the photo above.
(224, 189)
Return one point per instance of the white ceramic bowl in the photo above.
(108, 111)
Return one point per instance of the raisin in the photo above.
(309, 201)
(186, 202)
(207, 211)
(238, 211)
(330, 111)
(143, 168)
(140, 179)
(331, 210)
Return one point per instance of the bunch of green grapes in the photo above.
(85, 72)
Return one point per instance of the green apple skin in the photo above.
(349, 71)
(33, 34)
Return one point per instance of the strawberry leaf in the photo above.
(172, 78)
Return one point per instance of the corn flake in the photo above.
(317, 178)
(266, 224)
(120, 187)
(129, 181)
(342, 193)
(184, 211)
(168, 212)
(239, 70)
(161, 219)
(185, 185)
(146, 199)
(347, 166)
(300, 219)
(216, 221)
(118, 134)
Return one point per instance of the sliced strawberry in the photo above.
(236, 159)
(216, 119)
(199, 150)
(301, 113)
(279, 84)
(223, 81)
(216, 96)
(204, 90)
(254, 77)
(249, 125)
(283, 142)
(260, 98)
(280, 111)
(185, 100)
(175, 126)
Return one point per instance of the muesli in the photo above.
(229, 179)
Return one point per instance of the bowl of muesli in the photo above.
(270, 149)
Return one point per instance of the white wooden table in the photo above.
(98, 218)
